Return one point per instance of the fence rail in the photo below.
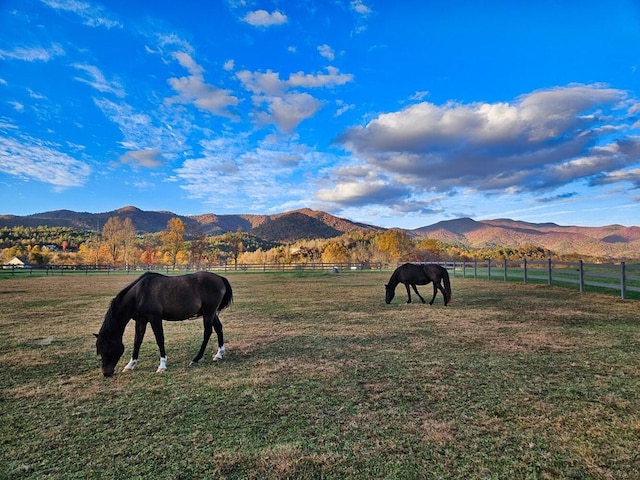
(621, 278)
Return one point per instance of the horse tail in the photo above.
(447, 286)
(228, 295)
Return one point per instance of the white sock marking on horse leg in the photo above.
(131, 365)
(163, 365)
(219, 354)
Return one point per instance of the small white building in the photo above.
(18, 262)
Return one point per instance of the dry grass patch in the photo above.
(323, 380)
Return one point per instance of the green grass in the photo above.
(323, 380)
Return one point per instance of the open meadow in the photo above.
(322, 379)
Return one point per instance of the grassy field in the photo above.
(323, 380)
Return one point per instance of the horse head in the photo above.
(390, 293)
(110, 350)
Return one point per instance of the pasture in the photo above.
(323, 380)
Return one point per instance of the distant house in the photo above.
(17, 262)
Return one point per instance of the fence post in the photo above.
(475, 268)
(505, 269)
(549, 270)
(488, 269)
(524, 268)
(581, 275)
(623, 280)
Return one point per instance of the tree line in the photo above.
(118, 244)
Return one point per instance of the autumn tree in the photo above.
(198, 248)
(150, 246)
(396, 245)
(118, 237)
(430, 249)
(335, 252)
(172, 239)
(235, 243)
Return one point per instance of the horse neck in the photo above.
(393, 281)
(117, 317)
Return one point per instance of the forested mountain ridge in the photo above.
(613, 241)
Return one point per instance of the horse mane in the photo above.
(109, 320)
(393, 281)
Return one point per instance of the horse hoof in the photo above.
(193, 364)
(217, 358)
(161, 370)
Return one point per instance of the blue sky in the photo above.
(398, 114)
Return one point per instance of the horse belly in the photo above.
(181, 310)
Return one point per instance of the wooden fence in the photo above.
(622, 278)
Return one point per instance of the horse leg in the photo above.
(217, 325)
(208, 329)
(415, 289)
(444, 295)
(408, 292)
(158, 331)
(435, 291)
(141, 327)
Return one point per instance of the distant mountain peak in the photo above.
(613, 241)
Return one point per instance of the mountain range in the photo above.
(613, 241)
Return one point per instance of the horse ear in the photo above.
(96, 335)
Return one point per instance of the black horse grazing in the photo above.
(412, 274)
(154, 297)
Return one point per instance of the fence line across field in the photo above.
(622, 277)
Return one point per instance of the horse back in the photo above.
(178, 297)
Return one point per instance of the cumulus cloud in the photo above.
(280, 102)
(327, 52)
(194, 90)
(540, 141)
(262, 18)
(148, 158)
(359, 7)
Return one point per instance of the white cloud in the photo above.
(540, 141)
(230, 169)
(194, 90)
(91, 14)
(148, 158)
(98, 81)
(33, 159)
(327, 52)
(286, 107)
(359, 7)
(262, 18)
(17, 106)
(33, 54)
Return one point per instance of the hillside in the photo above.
(614, 241)
(282, 227)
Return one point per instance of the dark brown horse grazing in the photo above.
(154, 297)
(412, 274)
